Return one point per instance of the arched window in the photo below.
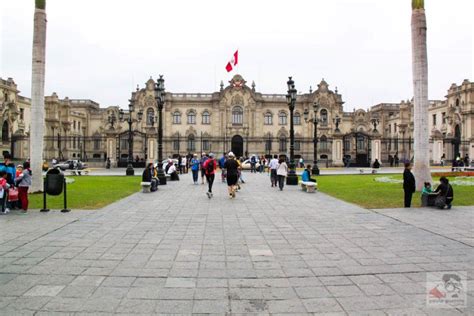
(324, 117)
(282, 118)
(176, 117)
(191, 117)
(150, 117)
(324, 142)
(297, 118)
(5, 131)
(206, 118)
(282, 144)
(191, 143)
(237, 115)
(268, 118)
(457, 102)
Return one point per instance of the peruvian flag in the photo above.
(233, 62)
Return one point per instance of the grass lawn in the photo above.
(363, 190)
(90, 192)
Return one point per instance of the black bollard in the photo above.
(65, 209)
(44, 209)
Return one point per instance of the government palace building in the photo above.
(241, 119)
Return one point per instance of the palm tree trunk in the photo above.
(37, 95)
(421, 168)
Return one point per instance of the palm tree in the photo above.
(421, 168)
(37, 94)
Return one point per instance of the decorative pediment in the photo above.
(237, 100)
(237, 82)
(282, 132)
(191, 131)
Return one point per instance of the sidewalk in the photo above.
(266, 251)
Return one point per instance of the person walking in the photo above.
(203, 160)
(23, 182)
(221, 166)
(210, 166)
(232, 167)
(195, 168)
(272, 168)
(282, 172)
(396, 159)
(253, 163)
(408, 184)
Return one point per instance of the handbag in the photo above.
(12, 195)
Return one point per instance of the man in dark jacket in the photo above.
(408, 184)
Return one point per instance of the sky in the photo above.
(101, 50)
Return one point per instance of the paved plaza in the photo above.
(266, 252)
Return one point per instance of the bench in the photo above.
(75, 172)
(368, 170)
(458, 169)
(146, 186)
(308, 186)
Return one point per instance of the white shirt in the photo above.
(172, 169)
(282, 169)
(273, 164)
(183, 161)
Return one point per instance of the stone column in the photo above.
(337, 151)
(376, 149)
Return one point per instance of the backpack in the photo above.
(210, 166)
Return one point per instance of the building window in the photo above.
(206, 145)
(434, 119)
(192, 117)
(73, 125)
(297, 119)
(97, 144)
(237, 115)
(268, 144)
(390, 128)
(282, 144)
(206, 118)
(395, 127)
(268, 118)
(457, 102)
(175, 144)
(74, 142)
(176, 118)
(22, 114)
(150, 117)
(360, 143)
(297, 145)
(191, 143)
(324, 142)
(324, 117)
(443, 117)
(282, 118)
(347, 144)
(79, 126)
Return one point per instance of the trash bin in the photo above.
(54, 182)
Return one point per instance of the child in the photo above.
(3, 192)
(426, 189)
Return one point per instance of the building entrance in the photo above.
(237, 145)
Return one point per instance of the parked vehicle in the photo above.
(165, 163)
(70, 164)
(246, 164)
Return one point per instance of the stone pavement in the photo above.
(266, 252)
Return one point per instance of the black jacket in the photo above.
(408, 181)
(147, 175)
(445, 190)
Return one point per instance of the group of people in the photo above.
(443, 194)
(14, 184)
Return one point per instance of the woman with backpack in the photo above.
(210, 166)
(23, 182)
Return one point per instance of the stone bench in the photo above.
(146, 186)
(308, 186)
(76, 172)
(368, 170)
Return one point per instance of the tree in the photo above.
(421, 168)
(37, 95)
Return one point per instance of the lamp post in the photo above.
(129, 120)
(160, 101)
(315, 120)
(292, 178)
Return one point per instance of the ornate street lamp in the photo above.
(315, 120)
(160, 101)
(292, 178)
(129, 120)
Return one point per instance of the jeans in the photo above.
(281, 182)
(210, 181)
(195, 175)
(273, 177)
(252, 167)
(408, 196)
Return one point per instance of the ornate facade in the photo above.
(241, 119)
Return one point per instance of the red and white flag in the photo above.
(233, 62)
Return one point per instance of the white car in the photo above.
(246, 164)
(165, 163)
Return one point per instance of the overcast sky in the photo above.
(101, 50)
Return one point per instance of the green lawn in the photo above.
(90, 192)
(366, 192)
